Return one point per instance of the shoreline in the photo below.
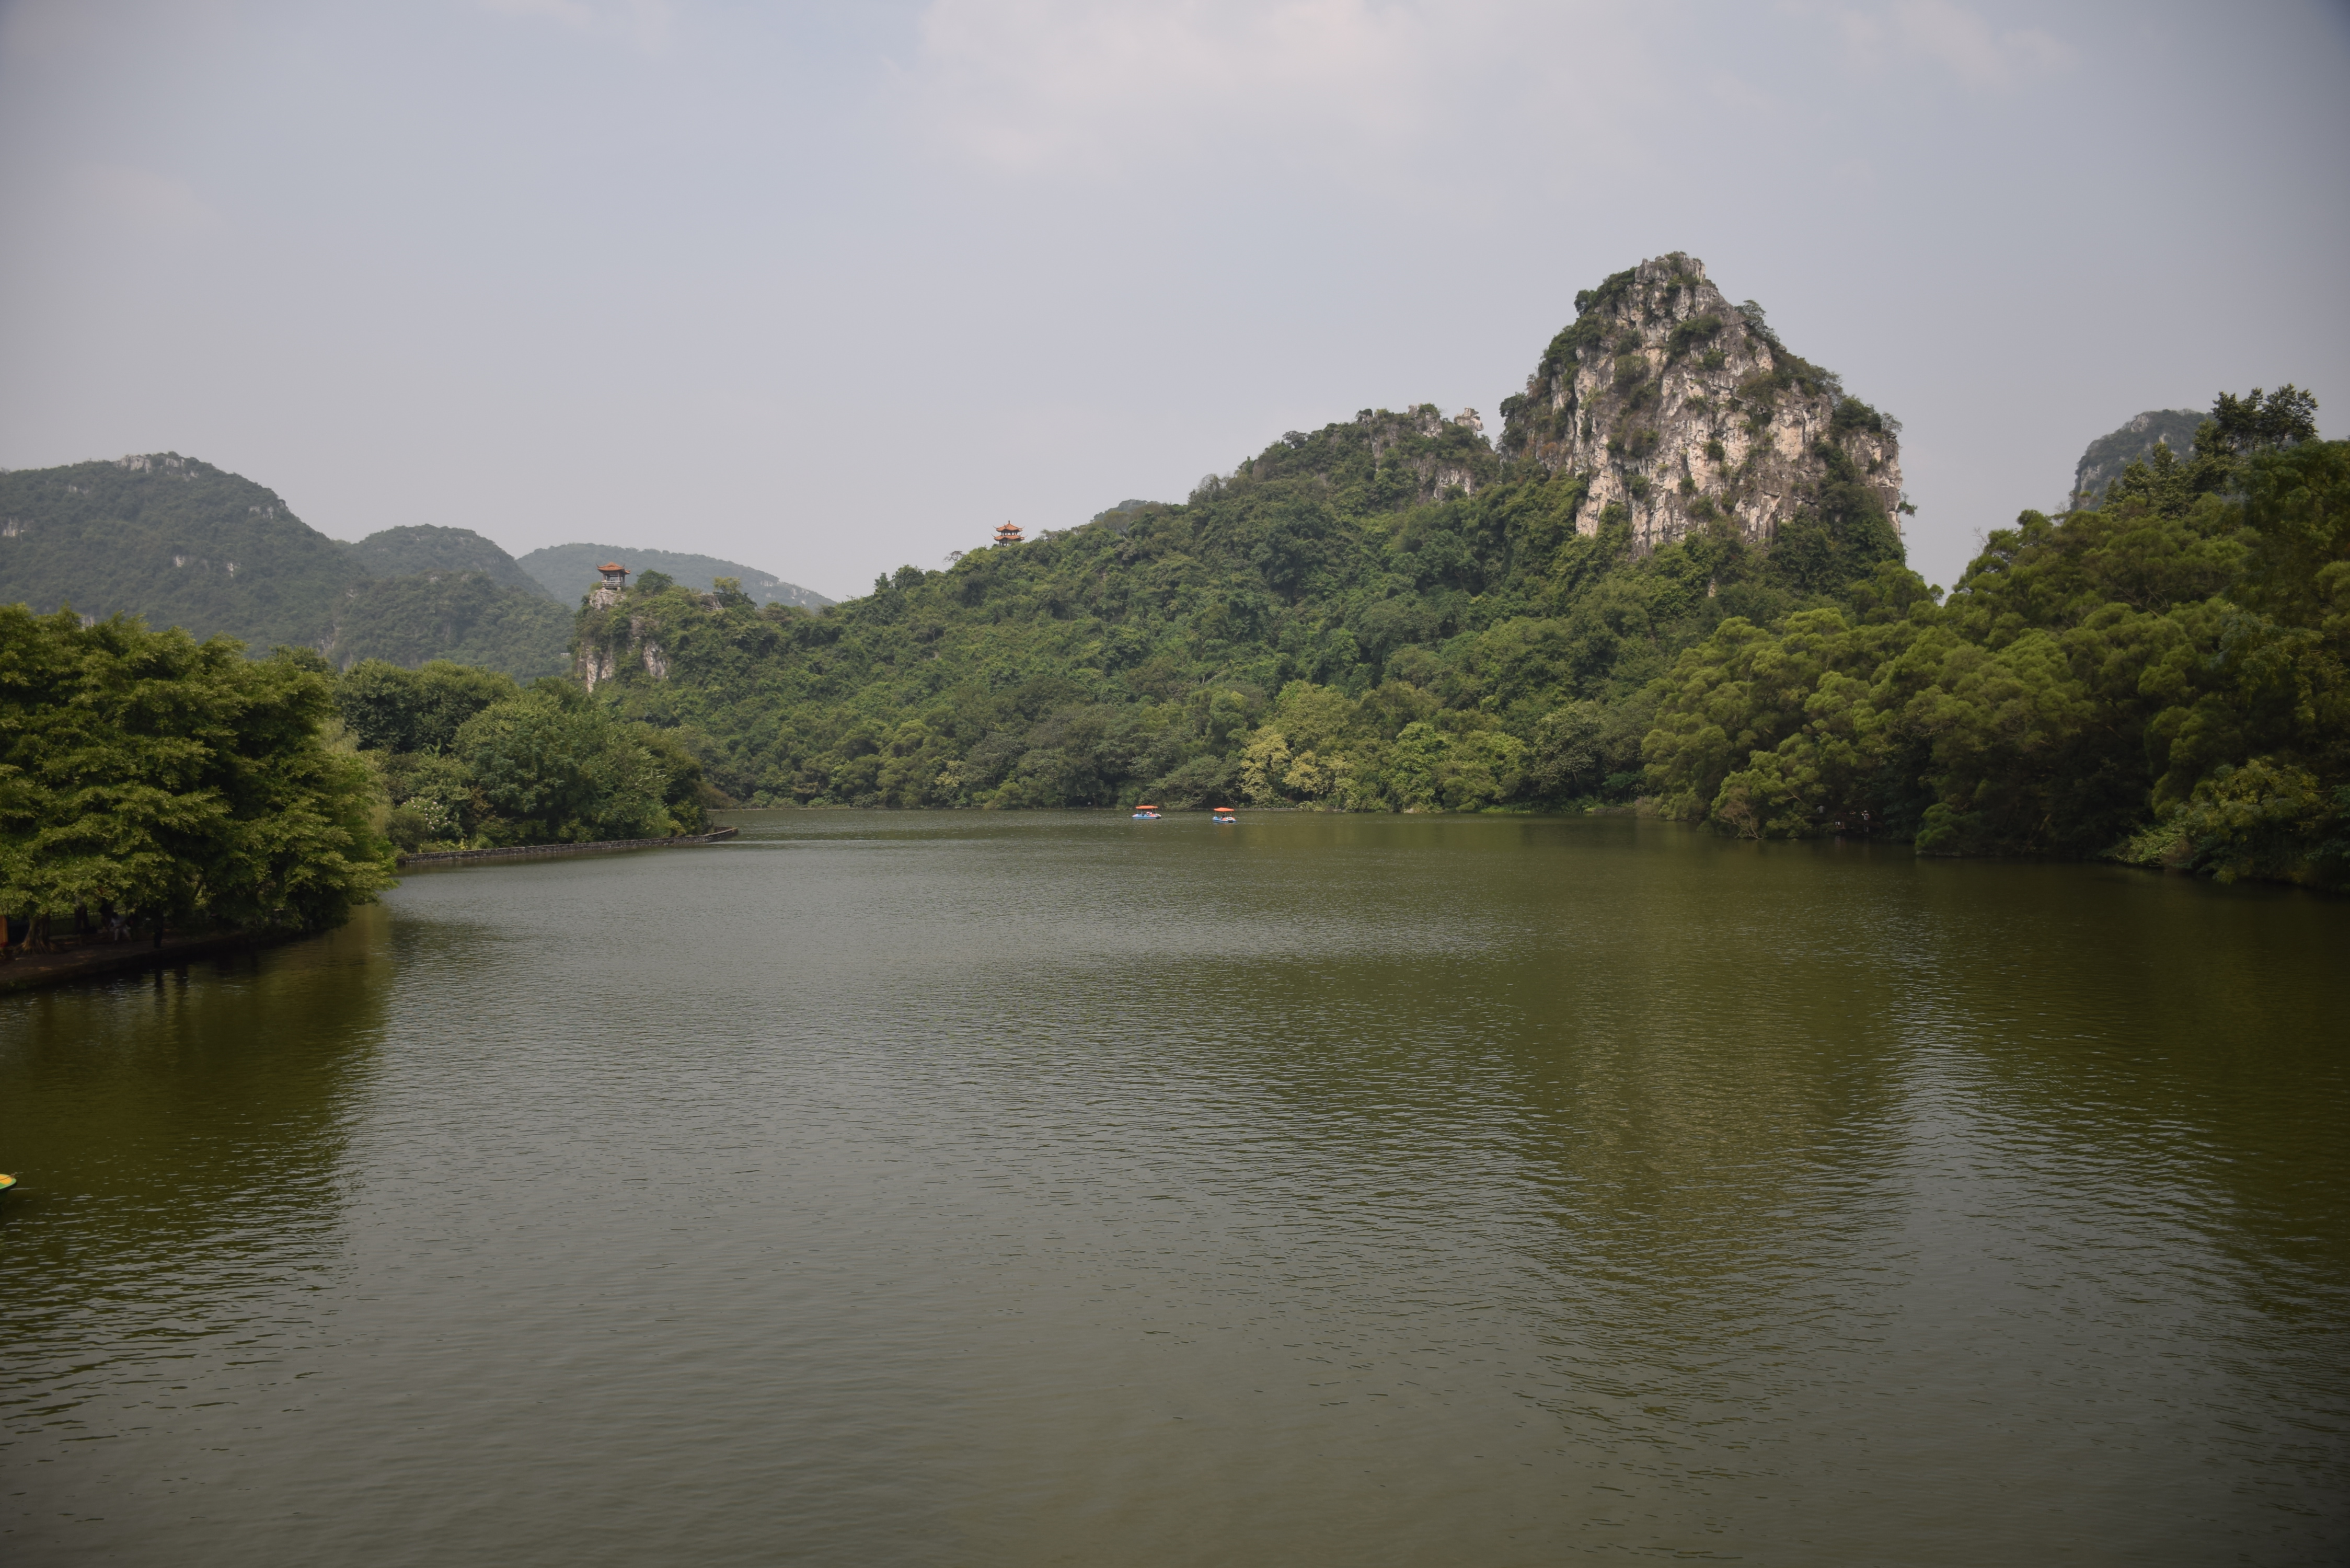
(31, 971)
(432, 860)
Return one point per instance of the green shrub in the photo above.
(1689, 333)
(1851, 415)
(176, 779)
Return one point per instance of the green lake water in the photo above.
(898, 1188)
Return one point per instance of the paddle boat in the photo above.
(1224, 815)
(6, 1182)
(1146, 814)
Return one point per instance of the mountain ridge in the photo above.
(426, 549)
(568, 571)
(181, 542)
(1387, 611)
(2104, 460)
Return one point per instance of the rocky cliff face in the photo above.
(613, 635)
(1681, 409)
(2108, 455)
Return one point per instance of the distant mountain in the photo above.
(570, 570)
(469, 617)
(182, 543)
(424, 549)
(2108, 455)
(172, 538)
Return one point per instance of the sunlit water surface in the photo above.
(1054, 1189)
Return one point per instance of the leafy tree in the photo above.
(176, 779)
(2240, 427)
(1329, 627)
(391, 709)
(2165, 678)
(1844, 534)
(551, 766)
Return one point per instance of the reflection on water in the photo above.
(1056, 1188)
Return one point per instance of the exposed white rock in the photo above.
(1679, 409)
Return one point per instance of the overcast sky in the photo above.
(827, 288)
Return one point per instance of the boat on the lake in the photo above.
(1146, 814)
(1224, 813)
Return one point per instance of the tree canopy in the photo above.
(2158, 679)
(1383, 613)
(2163, 679)
(468, 758)
(175, 778)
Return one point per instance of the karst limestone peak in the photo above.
(1683, 408)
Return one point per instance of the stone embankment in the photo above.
(89, 957)
(550, 851)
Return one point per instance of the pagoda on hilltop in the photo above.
(1009, 533)
(614, 577)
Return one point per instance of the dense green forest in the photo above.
(466, 616)
(147, 774)
(173, 540)
(424, 550)
(2160, 679)
(567, 570)
(2105, 458)
(181, 783)
(467, 759)
(178, 542)
(1714, 623)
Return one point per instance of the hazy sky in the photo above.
(827, 288)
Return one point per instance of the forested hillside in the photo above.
(2166, 679)
(465, 617)
(179, 541)
(1385, 612)
(466, 758)
(1392, 614)
(1676, 581)
(425, 549)
(2102, 461)
(173, 539)
(568, 571)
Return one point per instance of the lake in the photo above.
(1033, 1188)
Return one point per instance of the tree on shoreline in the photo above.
(2164, 680)
(175, 779)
